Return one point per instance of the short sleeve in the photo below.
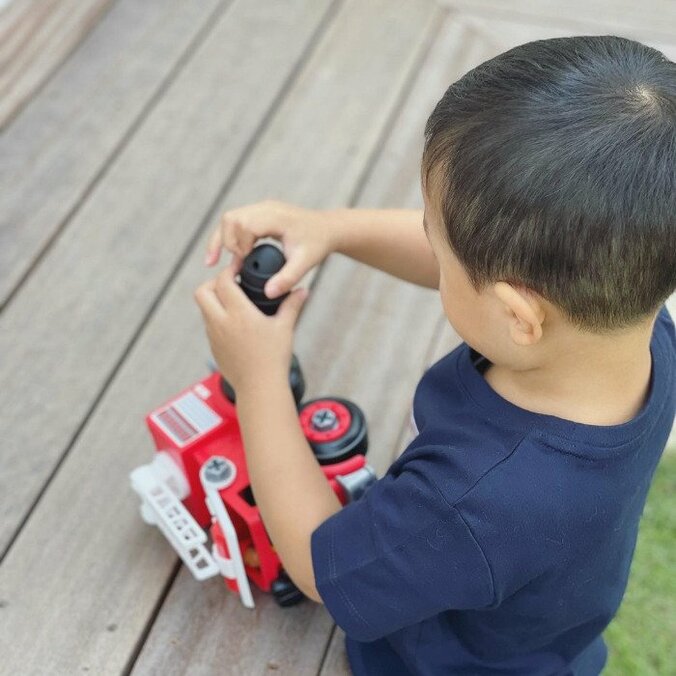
(398, 555)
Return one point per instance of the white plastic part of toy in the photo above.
(161, 506)
(167, 470)
(356, 483)
(232, 567)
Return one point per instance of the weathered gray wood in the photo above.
(504, 34)
(58, 147)
(63, 334)
(105, 570)
(336, 662)
(652, 19)
(35, 37)
(210, 632)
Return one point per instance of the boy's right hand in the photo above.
(305, 235)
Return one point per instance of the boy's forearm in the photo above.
(392, 240)
(290, 489)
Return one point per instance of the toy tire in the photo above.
(296, 383)
(348, 436)
(285, 592)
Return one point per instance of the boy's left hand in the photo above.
(249, 347)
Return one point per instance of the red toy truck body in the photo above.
(199, 481)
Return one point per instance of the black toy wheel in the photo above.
(296, 383)
(335, 428)
(285, 592)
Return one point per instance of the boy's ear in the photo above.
(526, 313)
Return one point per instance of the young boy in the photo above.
(500, 541)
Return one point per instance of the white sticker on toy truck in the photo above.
(202, 391)
(186, 418)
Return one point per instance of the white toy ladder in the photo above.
(161, 506)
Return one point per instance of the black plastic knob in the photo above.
(263, 262)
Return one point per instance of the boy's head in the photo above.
(549, 175)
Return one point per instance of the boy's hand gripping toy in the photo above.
(198, 478)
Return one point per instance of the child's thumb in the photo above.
(290, 308)
(286, 278)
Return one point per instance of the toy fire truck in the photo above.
(198, 477)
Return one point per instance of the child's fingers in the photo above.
(290, 309)
(213, 248)
(227, 290)
(287, 277)
(236, 264)
(244, 237)
(223, 237)
(206, 298)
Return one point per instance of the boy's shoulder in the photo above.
(454, 404)
(548, 482)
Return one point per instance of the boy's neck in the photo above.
(585, 378)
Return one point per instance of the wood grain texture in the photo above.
(110, 571)
(35, 38)
(504, 34)
(64, 333)
(211, 632)
(60, 145)
(336, 662)
(651, 19)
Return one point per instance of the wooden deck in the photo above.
(128, 126)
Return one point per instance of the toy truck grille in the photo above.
(185, 419)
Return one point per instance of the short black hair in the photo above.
(555, 168)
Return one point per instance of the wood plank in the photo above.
(35, 38)
(648, 20)
(336, 662)
(58, 148)
(114, 558)
(65, 332)
(221, 632)
(504, 34)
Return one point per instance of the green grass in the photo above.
(642, 638)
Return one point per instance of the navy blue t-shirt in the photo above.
(500, 540)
